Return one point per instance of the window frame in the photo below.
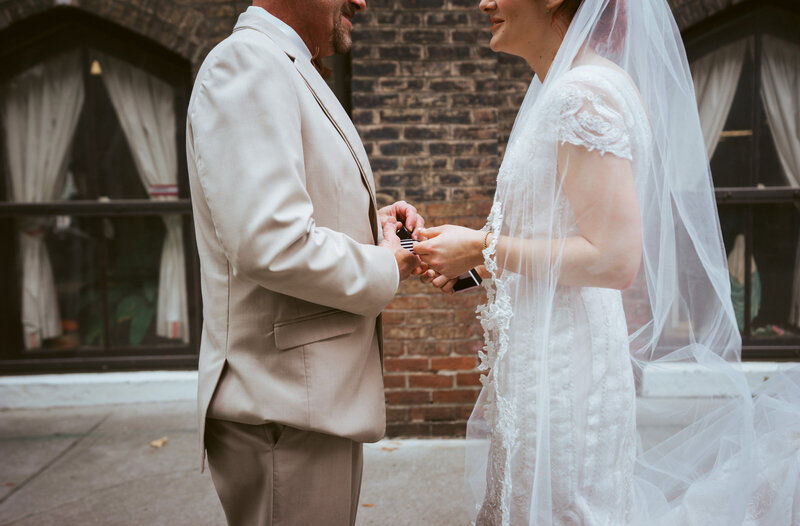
(751, 19)
(34, 40)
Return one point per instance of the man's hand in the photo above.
(405, 213)
(407, 263)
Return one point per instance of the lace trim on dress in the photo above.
(494, 312)
(587, 120)
(495, 318)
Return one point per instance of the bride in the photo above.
(603, 260)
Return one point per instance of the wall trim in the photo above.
(86, 389)
(687, 380)
(666, 381)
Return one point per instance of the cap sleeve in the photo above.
(589, 117)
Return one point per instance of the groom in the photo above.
(296, 270)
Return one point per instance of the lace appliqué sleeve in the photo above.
(587, 119)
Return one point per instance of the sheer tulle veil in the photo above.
(709, 465)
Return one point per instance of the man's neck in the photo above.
(288, 13)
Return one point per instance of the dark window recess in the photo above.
(759, 202)
(340, 80)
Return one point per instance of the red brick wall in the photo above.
(434, 107)
(425, 100)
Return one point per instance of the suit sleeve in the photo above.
(245, 125)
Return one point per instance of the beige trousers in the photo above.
(275, 475)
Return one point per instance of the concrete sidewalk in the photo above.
(95, 466)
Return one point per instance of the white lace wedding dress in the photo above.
(590, 410)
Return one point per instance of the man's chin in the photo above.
(342, 39)
(342, 50)
(342, 42)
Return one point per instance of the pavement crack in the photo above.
(82, 498)
(53, 460)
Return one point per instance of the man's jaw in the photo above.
(341, 37)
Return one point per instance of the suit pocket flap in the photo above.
(314, 328)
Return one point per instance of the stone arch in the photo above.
(690, 13)
(175, 26)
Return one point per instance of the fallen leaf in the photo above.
(368, 505)
(159, 443)
(10, 484)
(388, 448)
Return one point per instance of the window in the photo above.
(98, 267)
(340, 79)
(746, 69)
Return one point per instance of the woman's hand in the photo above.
(450, 250)
(446, 284)
(483, 272)
(442, 283)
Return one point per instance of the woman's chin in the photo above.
(500, 42)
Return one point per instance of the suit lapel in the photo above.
(328, 103)
(332, 107)
(339, 119)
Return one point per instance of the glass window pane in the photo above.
(147, 302)
(134, 257)
(733, 220)
(775, 267)
(97, 282)
(101, 163)
(730, 164)
(97, 161)
(770, 172)
(56, 285)
(40, 109)
(73, 248)
(775, 251)
(780, 104)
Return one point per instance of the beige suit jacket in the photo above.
(292, 282)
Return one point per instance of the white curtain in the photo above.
(716, 77)
(780, 91)
(41, 108)
(146, 110)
